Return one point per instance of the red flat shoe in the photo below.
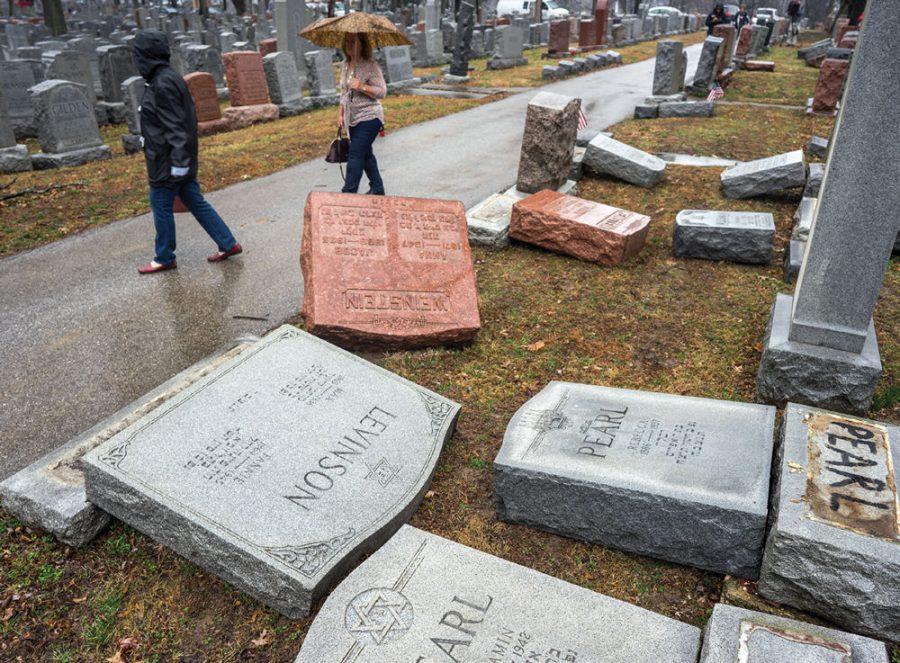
(224, 255)
(151, 268)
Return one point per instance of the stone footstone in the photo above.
(806, 373)
(646, 112)
(548, 141)
(758, 65)
(607, 156)
(757, 636)
(14, 159)
(425, 598)
(834, 546)
(548, 72)
(244, 116)
(278, 470)
(49, 493)
(48, 160)
(793, 260)
(803, 219)
(817, 147)
(131, 143)
(488, 221)
(579, 228)
(679, 478)
(386, 271)
(814, 178)
(687, 109)
(744, 237)
(756, 178)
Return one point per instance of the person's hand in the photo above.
(356, 84)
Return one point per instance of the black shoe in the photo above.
(373, 193)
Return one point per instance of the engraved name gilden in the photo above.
(850, 478)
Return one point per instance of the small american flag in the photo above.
(582, 120)
(716, 93)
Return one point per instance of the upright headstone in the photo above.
(116, 65)
(548, 141)
(320, 72)
(67, 125)
(387, 271)
(829, 85)
(428, 599)
(200, 57)
(432, 15)
(132, 94)
(246, 79)
(821, 347)
(667, 77)
(283, 82)
(705, 75)
(290, 18)
(397, 64)
(73, 65)
(13, 158)
(465, 22)
(727, 33)
(559, 37)
(279, 469)
(16, 78)
(507, 48)
(202, 87)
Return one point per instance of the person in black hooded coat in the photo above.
(169, 136)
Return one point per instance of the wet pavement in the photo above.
(82, 334)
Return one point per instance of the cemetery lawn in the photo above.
(791, 83)
(654, 323)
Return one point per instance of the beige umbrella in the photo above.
(330, 32)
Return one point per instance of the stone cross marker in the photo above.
(667, 75)
(834, 547)
(548, 142)
(680, 478)
(279, 469)
(246, 78)
(465, 23)
(387, 271)
(424, 598)
(821, 348)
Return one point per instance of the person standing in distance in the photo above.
(169, 137)
(795, 13)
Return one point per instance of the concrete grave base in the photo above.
(451, 79)
(488, 221)
(833, 547)
(115, 111)
(756, 636)
(214, 126)
(323, 100)
(240, 117)
(687, 109)
(646, 112)
(49, 493)
(47, 160)
(793, 260)
(657, 99)
(131, 143)
(802, 373)
(814, 180)
(506, 63)
(14, 159)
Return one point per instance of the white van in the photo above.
(549, 9)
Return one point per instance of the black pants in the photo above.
(362, 158)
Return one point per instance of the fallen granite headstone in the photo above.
(817, 146)
(551, 125)
(756, 178)
(488, 221)
(687, 109)
(815, 176)
(834, 545)
(679, 478)
(607, 156)
(744, 237)
(803, 219)
(427, 599)
(278, 470)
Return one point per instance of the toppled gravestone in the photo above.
(756, 636)
(607, 156)
(427, 599)
(834, 544)
(278, 470)
(814, 179)
(551, 125)
(687, 109)
(679, 478)
(756, 178)
(718, 235)
(488, 221)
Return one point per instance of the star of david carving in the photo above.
(379, 614)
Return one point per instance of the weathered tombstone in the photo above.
(814, 178)
(116, 65)
(290, 18)
(73, 65)
(587, 37)
(16, 78)
(580, 228)
(834, 546)
(507, 48)
(728, 34)
(488, 221)
(202, 87)
(667, 72)
(246, 79)
(200, 57)
(397, 64)
(465, 22)
(279, 469)
(67, 126)
(227, 40)
(757, 636)
(705, 75)
(762, 176)
(829, 85)
(559, 37)
(687, 109)
(601, 20)
(283, 82)
(821, 346)
(320, 72)
(744, 237)
(680, 478)
(13, 158)
(132, 94)
(548, 142)
(432, 15)
(607, 156)
(425, 598)
(387, 271)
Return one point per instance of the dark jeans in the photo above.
(362, 158)
(161, 201)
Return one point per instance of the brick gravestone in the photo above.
(279, 469)
(679, 478)
(13, 158)
(559, 37)
(766, 638)
(548, 142)
(667, 75)
(744, 237)
(579, 228)
(834, 545)
(387, 271)
(283, 82)
(424, 598)
(202, 87)
(16, 78)
(829, 85)
(67, 126)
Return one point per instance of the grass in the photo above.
(654, 323)
(791, 83)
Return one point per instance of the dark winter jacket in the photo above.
(794, 11)
(168, 116)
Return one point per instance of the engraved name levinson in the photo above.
(850, 478)
(345, 452)
(396, 300)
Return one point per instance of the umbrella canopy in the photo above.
(330, 32)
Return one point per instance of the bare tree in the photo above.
(54, 17)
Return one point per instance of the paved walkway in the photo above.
(82, 334)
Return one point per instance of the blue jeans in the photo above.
(362, 158)
(161, 201)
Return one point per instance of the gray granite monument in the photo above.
(607, 156)
(718, 235)
(762, 176)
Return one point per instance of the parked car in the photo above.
(767, 13)
(549, 9)
(665, 11)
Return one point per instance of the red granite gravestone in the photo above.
(387, 272)
(579, 228)
(829, 84)
(848, 41)
(502, 21)
(246, 79)
(759, 65)
(743, 45)
(267, 46)
(202, 87)
(587, 37)
(842, 26)
(728, 33)
(601, 21)
(559, 37)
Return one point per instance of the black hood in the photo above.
(150, 50)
